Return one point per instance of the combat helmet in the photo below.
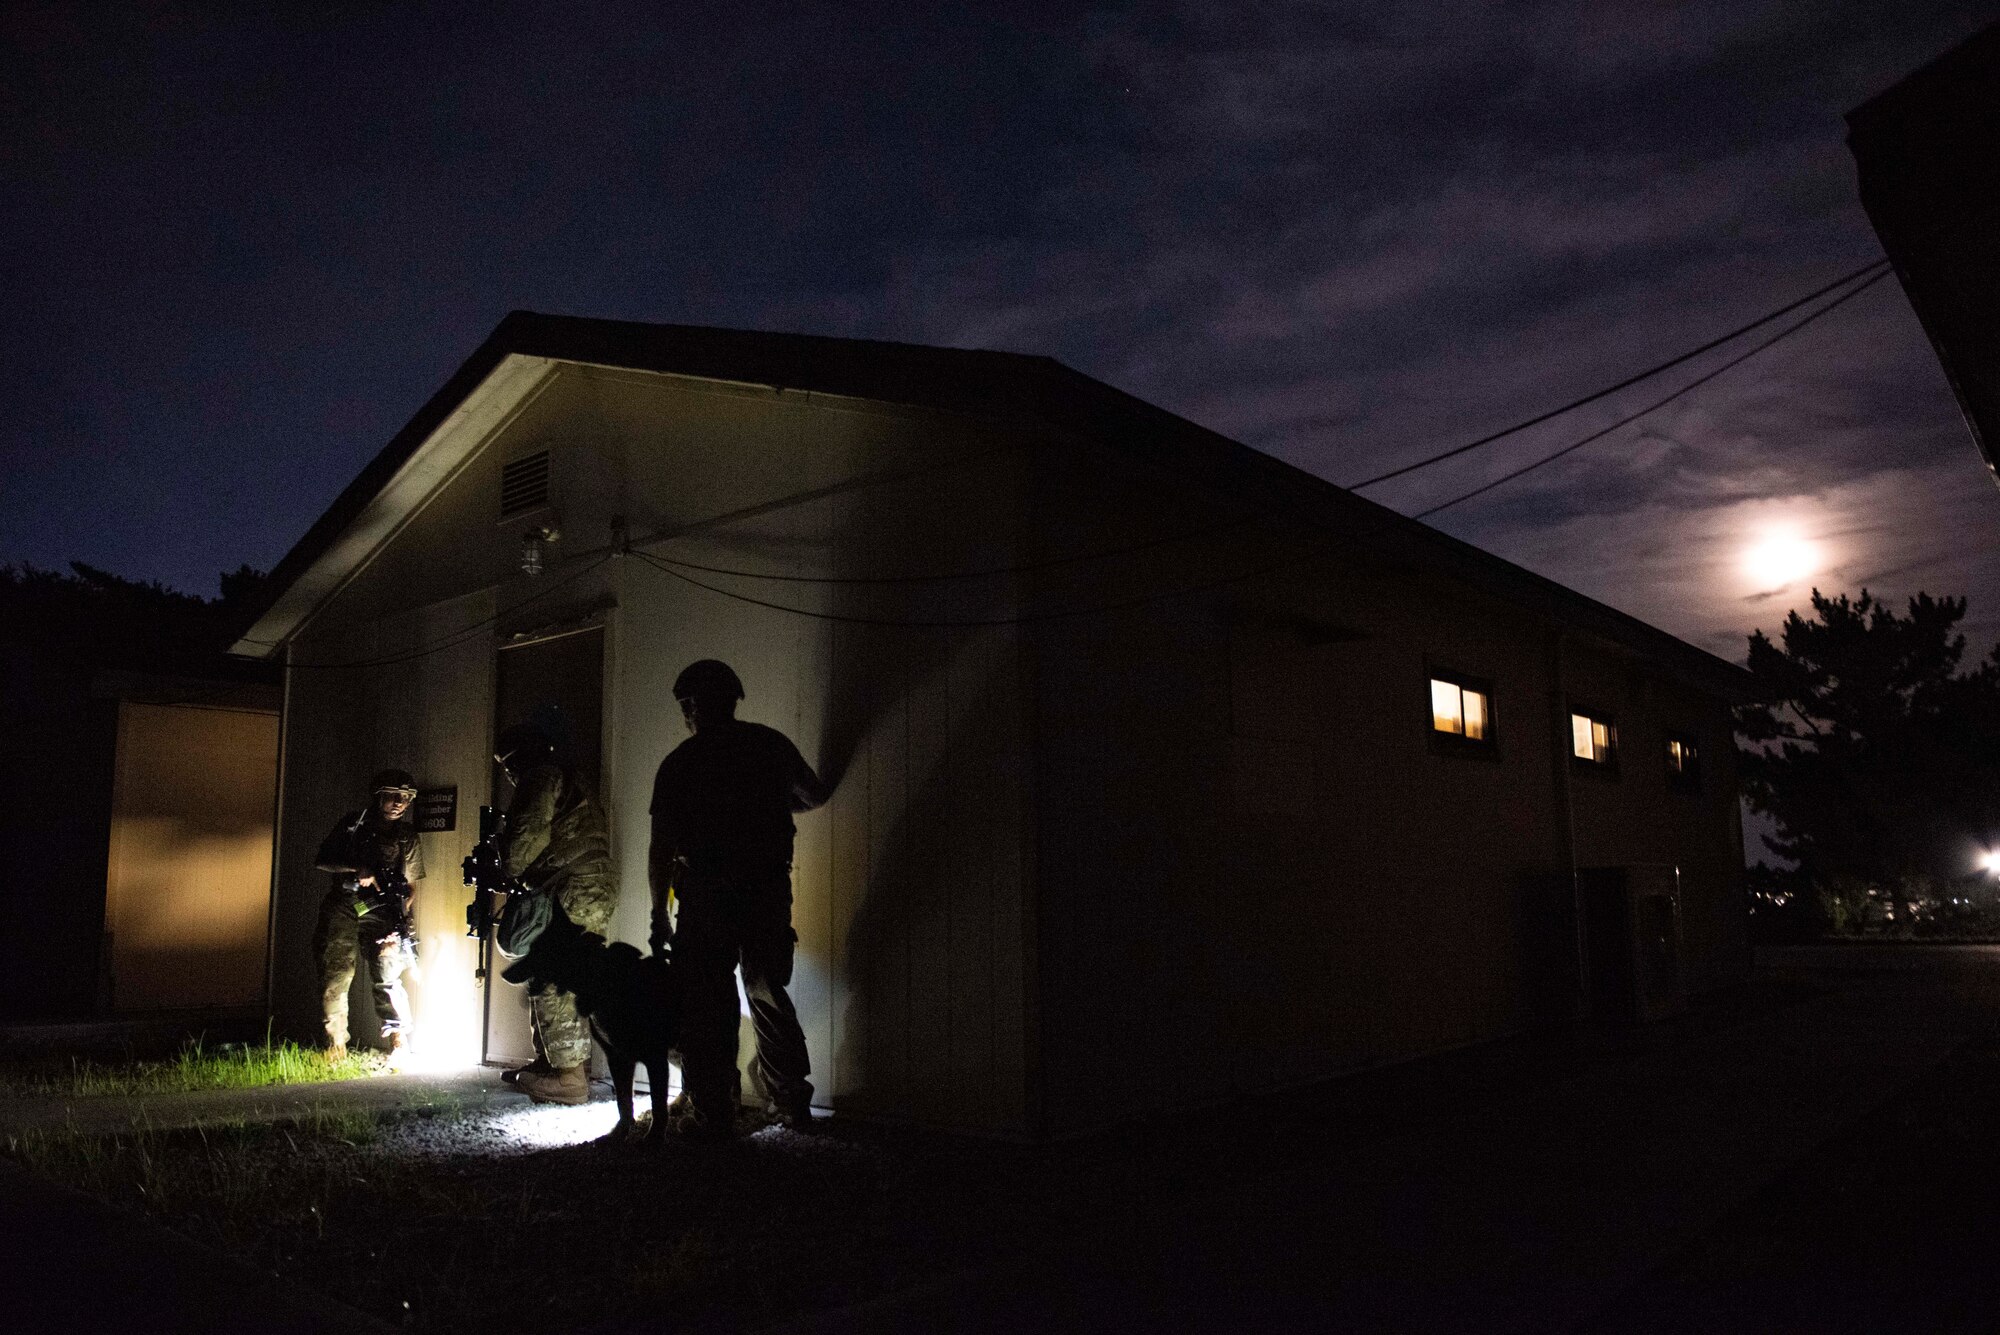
(521, 745)
(708, 679)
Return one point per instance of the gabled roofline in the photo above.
(1004, 387)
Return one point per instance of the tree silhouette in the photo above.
(66, 641)
(1873, 753)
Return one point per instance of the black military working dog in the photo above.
(630, 1000)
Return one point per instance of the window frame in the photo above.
(1687, 779)
(1457, 743)
(1608, 764)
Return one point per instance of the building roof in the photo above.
(1001, 387)
(1924, 151)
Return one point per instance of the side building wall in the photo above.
(1257, 865)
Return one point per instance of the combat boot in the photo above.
(792, 1114)
(539, 1066)
(570, 1085)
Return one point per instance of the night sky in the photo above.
(240, 252)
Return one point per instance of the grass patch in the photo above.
(198, 1066)
(723, 1237)
(464, 1232)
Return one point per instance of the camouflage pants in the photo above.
(562, 1036)
(347, 935)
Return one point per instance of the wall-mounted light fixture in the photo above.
(533, 543)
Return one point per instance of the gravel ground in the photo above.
(451, 1220)
(457, 1218)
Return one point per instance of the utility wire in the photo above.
(975, 623)
(464, 633)
(667, 564)
(1703, 379)
(1191, 535)
(1737, 360)
(995, 573)
(1629, 381)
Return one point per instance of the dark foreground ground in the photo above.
(1820, 1152)
(1893, 1226)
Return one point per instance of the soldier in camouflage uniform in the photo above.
(558, 844)
(364, 915)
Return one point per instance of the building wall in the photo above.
(1112, 853)
(910, 886)
(1256, 868)
(1631, 814)
(188, 887)
(427, 714)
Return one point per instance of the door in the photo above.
(188, 894)
(558, 684)
(1632, 941)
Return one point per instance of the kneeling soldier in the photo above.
(558, 844)
(376, 854)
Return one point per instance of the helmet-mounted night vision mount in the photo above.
(397, 781)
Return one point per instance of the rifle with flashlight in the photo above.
(392, 890)
(485, 869)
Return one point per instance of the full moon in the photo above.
(1780, 559)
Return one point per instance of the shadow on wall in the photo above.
(916, 1031)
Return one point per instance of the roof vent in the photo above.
(524, 485)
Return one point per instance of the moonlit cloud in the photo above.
(243, 251)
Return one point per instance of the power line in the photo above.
(666, 565)
(994, 573)
(1626, 383)
(462, 635)
(1099, 609)
(1737, 360)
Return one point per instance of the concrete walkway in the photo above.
(1528, 1216)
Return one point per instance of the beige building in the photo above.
(1165, 771)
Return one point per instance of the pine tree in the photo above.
(1875, 755)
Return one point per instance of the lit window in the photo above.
(1683, 764)
(1459, 710)
(1592, 739)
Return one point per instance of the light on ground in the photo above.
(550, 1126)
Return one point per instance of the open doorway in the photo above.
(556, 682)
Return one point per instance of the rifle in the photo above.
(392, 889)
(485, 869)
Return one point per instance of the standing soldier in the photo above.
(558, 844)
(722, 843)
(378, 858)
